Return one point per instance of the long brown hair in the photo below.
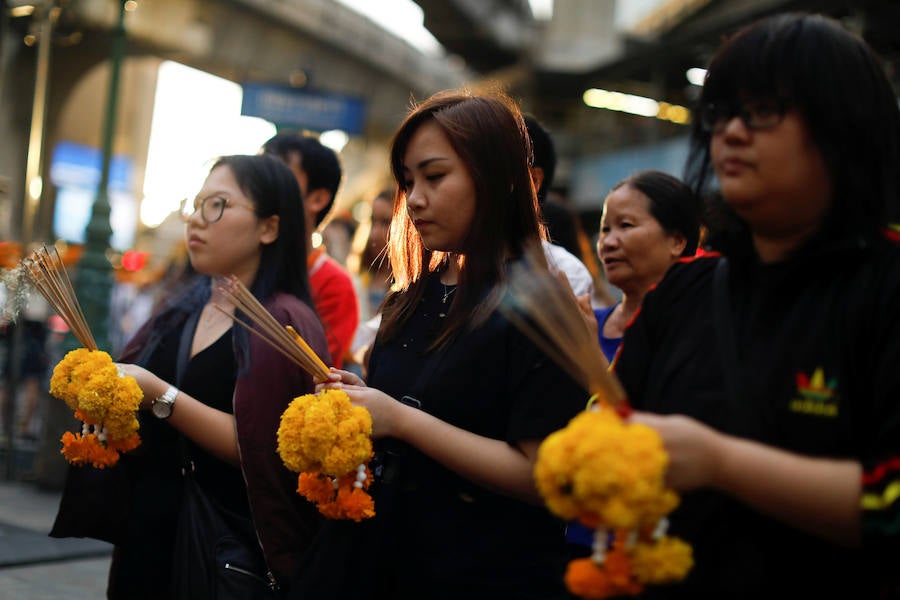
(488, 133)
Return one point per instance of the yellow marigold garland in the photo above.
(106, 402)
(327, 439)
(610, 476)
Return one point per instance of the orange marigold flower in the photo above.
(356, 504)
(315, 488)
(125, 444)
(325, 437)
(586, 580)
(668, 560)
(610, 474)
(324, 432)
(90, 383)
(331, 510)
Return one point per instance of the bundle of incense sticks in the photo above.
(266, 327)
(45, 270)
(545, 309)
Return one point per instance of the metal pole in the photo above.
(33, 182)
(94, 277)
(4, 31)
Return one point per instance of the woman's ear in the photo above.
(679, 243)
(269, 229)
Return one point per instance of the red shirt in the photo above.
(335, 299)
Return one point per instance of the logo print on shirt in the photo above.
(815, 395)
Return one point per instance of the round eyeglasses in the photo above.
(755, 114)
(211, 208)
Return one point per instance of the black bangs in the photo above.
(759, 63)
(838, 85)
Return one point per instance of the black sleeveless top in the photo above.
(209, 377)
(142, 564)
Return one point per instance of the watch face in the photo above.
(161, 409)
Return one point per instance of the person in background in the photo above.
(770, 371)
(650, 221)
(246, 221)
(372, 267)
(33, 363)
(337, 236)
(370, 261)
(134, 295)
(459, 397)
(318, 172)
(562, 224)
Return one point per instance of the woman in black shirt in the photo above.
(460, 399)
(773, 368)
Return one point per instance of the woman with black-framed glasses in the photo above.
(756, 114)
(770, 367)
(211, 207)
(214, 395)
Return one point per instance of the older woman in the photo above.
(650, 220)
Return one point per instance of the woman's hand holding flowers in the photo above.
(336, 379)
(386, 411)
(691, 447)
(152, 386)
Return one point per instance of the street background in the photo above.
(34, 566)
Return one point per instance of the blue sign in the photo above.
(75, 171)
(304, 109)
(76, 165)
(593, 176)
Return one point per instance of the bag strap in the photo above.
(188, 466)
(388, 470)
(432, 361)
(184, 346)
(182, 360)
(418, 386)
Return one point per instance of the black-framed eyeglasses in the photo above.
(755, 114)
(211, 208)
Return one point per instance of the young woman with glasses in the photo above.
(247, 222)
(771, 370)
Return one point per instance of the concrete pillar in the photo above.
(580, 36)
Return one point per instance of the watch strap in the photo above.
(167, 398)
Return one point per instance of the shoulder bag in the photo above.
(217, 554)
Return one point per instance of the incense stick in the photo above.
(262, 324)
(548, 314)
(47, 273)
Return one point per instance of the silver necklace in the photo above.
(448, 291)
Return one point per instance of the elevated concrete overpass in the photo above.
(546, 64)
(320, 44)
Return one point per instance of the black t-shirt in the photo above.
(436, 534)
(817, 342)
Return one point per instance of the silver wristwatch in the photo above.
(162, 407)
